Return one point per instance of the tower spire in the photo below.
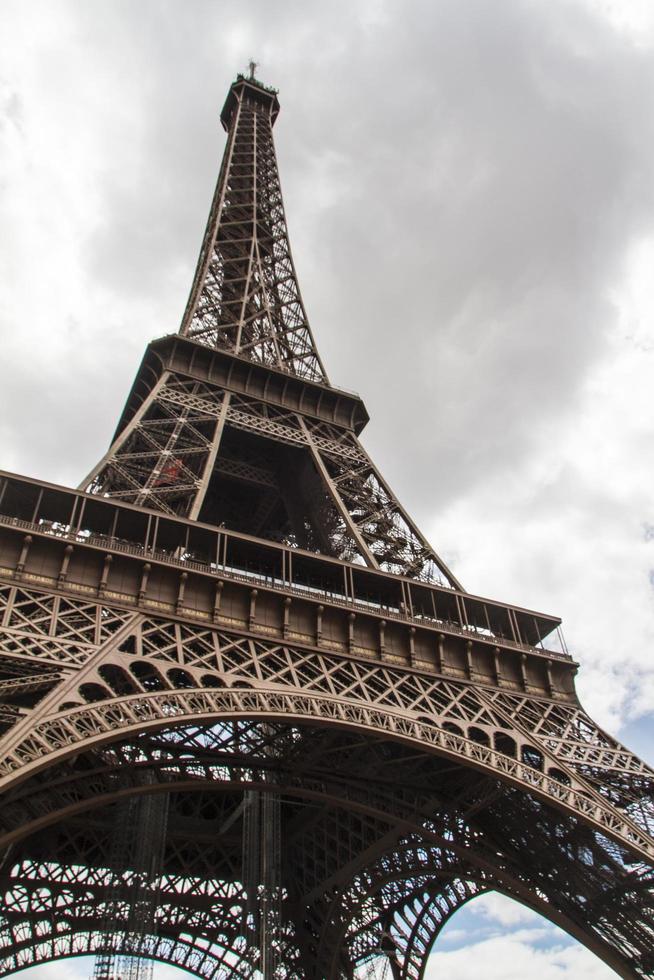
(245, 297)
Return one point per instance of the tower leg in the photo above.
(262, 877)
(138, 844)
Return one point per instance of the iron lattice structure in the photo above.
(235, 617)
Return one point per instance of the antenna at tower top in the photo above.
(253, 65)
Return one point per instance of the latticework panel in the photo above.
(373, 886)
(483, 777)
(189, 436)
(374, 517)
(139, 670)
(159, 461)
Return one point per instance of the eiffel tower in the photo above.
(252, 725)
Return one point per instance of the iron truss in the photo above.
(403, 794)
(298, 477)
(249, 720)
(185, 453)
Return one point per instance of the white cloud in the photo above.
(498, 908)
(75, 968)
(513, 957)
(567, 529)
(81, 968)
(634, 18)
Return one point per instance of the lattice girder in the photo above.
(245, 302)
(160, 460)
(452, 717)
(375, 914)
(181, 435)
(419, 862)
(164, 649)
(422, 920)
(25, 951)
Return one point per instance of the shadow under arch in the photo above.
(410, 820)
(99, 723)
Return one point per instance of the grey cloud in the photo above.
(480, 244)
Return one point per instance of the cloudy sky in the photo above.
(470, 198)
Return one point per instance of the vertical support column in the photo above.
(412, 646)
(252, 615)
(364, 550)
(106, 567)
(286, 625)
(63, 571)
(319, 611)
(137, 845)
(20, 566)
(211, 459)
(382, 638)
(350, 631)
(469, 660)
(497, 666)
(262, 874)
(440, 653)
(218, 596)
(125, 434)
(270, 916)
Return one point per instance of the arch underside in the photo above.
(381, 843)
(402, 794)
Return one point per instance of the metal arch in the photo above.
(100, 723)
(344, 690)
(170, 958)
(341, 793)
(57, 946)
(175, 768)
(404, 886)
(422, 905)
(384, 897)
(60, 900)
(341, 915)
(430, 913)
(258, 663)
(70, 634)
(67, 903)
(481, 859)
